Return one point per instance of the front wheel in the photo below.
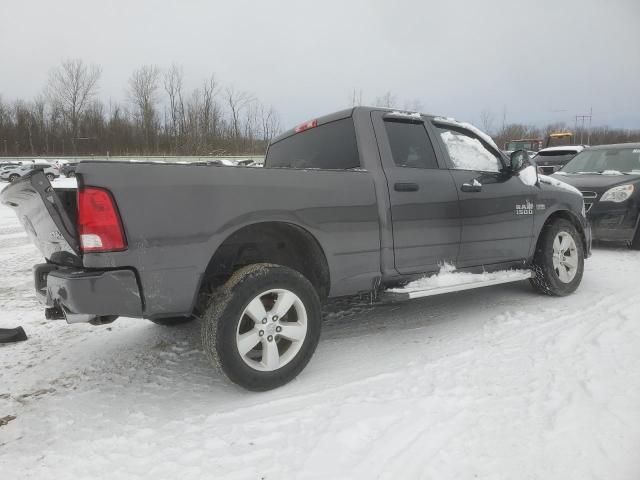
(14, 177)
(51, 177)
(558, 263)
(635, 242)
(262, 327)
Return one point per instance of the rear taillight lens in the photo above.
(99, 225)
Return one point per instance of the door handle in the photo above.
(474, 186)
(406, 187)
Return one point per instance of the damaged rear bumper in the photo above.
(86, 295)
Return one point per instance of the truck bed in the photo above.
(175, 216)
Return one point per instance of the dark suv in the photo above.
(69, 169)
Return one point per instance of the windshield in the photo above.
(522, 145)
(554, 158)
(625, 160)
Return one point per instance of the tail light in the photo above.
(99, 225)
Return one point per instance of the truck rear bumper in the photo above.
(84, 295)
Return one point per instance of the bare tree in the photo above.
(210, 111)
(193, 108)
(356, 98)
(487, 120)
(387, 100)
(269, 123)
(71, 87)
(237, 102)
(173, 80)
(414, 105)
(143, 87)
(251, 125)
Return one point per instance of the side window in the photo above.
(410, 145)
(331, 146)
(467, 152)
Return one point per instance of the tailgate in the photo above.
(45, 216)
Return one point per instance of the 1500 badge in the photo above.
(524, 209)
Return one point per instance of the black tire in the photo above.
(71, 174)
(51, 177)
(14, 177)
(635, 243)
(547, 279)
(172, 321)
(222, 319)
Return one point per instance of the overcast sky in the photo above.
(542, 60)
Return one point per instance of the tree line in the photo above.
(582, 134)
(162, 117)
(159, 117)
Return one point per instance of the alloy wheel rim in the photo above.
(271, 330)
(565, 257)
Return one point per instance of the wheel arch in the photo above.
(277, 242)
(566, 215)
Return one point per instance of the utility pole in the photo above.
(583, 118)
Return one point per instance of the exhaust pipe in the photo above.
(78, 317)
(61, 313)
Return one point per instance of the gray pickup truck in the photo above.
(361, 200)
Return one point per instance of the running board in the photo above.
(400, 294)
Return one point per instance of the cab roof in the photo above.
(346, 113)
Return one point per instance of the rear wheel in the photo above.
(559, 259)
(262, 327)
(14, 177)
(51, 177)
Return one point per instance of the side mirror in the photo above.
(518, 160)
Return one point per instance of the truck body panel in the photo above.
(385, 221)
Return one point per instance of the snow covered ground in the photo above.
(495, 383)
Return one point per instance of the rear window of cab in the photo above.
(330, 146)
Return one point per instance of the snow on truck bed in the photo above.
(495, 383)
(63, 182)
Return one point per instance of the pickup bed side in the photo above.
(194, 209)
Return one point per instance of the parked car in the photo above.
(609, 178)
(4, 165)
(529, 144)
(69, 169)
(530, 153)
(12, 174)
(552, 159)
(356, 201)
